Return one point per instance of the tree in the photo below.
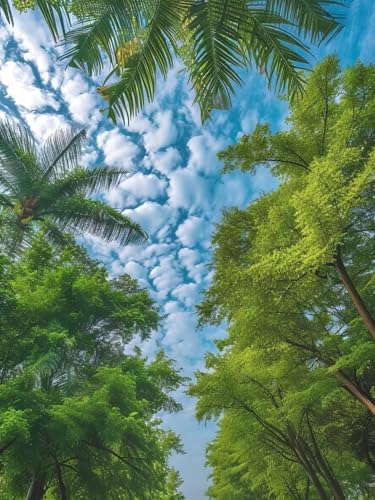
(293, 278)
(215, 40)
(47, 189)
(78, 415)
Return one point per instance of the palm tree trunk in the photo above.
(355, 296)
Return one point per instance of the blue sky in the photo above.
(174, 187)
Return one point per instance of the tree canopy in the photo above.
(293, 278)
(78, 415)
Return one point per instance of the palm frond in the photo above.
(81, 181)
(19, 168)
(138, 79)
(61, 152)
(6, 10)
(56, 16)
(311, 18)
(103, 26)
(269, 45)
(80, 215)
(217, 52)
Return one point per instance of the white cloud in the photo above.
(190, 191)
(163, 132)
(135, 188)
(81, 102)
(165, 161)
(33, 38)
(118, 149)
(43, 125)
(187, 293)
(193, 231)
(152, 216)
(165, 276)
(203, 150)
(19, 80)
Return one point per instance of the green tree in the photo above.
(78, 415)
(215, 40)
(293, 278)
(47, 190)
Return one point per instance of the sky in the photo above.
(174, 187)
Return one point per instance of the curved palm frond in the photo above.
(103, 24)
(271, 46)
(55, 14)
(217, 52)
(19, 168)
(138, 80)
(81, 215)
(6, 10)
(81, 181)
(310, 17)
(61, 151)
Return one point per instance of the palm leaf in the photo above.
(217, 52)
(19, 169)
(81, 181)
(311, 17)
(6, 10)
(61, 152)
(80, 215)
(137, 84)
(102, 25)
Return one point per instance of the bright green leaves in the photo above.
(293, 279)
(76, 412)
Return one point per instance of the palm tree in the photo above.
(47, 190)
(216, 39)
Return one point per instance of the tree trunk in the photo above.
(355, 296)
(62, 487)
(299, 451)
(356, 391)
(324, 466)
(309, 469)
(36, 489)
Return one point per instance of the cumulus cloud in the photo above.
(137, 187)
(187, 294)
(193, 231)
(152, 216)
(119, 150)
(165, 161)
(161, 133)
(81, 101)
(33, 39)
(165, 276)
(43, 125)
(19, 81)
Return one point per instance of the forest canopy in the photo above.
(294, 279)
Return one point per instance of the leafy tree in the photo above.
(78, 415)
(47, 190)
(293, 278)
(215, 40)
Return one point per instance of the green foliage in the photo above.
(47, 190)
(78, 415)
(215, 40)
(293, 278)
